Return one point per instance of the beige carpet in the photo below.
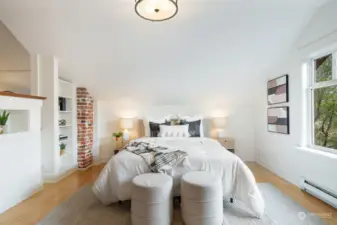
(83, 208)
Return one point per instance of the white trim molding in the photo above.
(54, 178)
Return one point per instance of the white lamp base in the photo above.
(221, 134)
(125, 135)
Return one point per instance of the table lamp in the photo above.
(126, 123)
(220, 124)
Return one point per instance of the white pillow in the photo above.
(174, 131)
(146, 122)
(195, 118)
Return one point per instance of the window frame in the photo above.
(312, 85)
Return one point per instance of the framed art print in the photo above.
(278, 90)
(278, 120)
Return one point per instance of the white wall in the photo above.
(48, 68)
(14, 63)
(15, 81)
(240, 120)
(276, 151)
(20, 154)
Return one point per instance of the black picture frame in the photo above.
(287, 120)
(269, 90)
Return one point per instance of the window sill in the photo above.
(318, 152)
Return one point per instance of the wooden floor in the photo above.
(35, 208)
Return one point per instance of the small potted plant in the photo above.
(3, 121)
(62, 148)
(118, 137)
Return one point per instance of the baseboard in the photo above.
(97, 163)
(265, 165)
(261, 163)
(83, 169)
(54, 178)
(40, 188)
(37, 190)
(101, 161)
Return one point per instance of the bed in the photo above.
(203, 154)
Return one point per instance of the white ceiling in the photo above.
(212, 47)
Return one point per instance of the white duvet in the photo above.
(204, 154)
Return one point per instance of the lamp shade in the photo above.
(220, 122)
(126, 123)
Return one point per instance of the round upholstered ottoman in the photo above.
(201, 199)
(151, 199)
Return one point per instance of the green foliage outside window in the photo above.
(325, 103)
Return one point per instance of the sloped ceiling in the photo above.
(13, 56)
(211, 48)
(14, 63)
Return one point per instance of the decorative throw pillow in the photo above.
(146, 123)
(155, 129)
(174, 131)
(193, 127)
(175, 121)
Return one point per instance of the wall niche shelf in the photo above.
(18, 121)
(65, 111)
(67, 97)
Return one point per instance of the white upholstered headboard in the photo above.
(167, 111)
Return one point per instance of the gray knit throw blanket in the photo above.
(158, 158)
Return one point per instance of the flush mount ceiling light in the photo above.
(156, 10)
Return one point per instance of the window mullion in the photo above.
(312, 118)
(324, 84)
(310, 105)
(312, 73)
(334, 66)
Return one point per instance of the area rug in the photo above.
(83, 208)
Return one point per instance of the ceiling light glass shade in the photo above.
(156, 10)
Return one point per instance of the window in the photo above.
(323, 101)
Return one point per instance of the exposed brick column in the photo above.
(85, 132)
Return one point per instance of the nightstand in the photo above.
(120, 147)
(117, 151)
(228, 143)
